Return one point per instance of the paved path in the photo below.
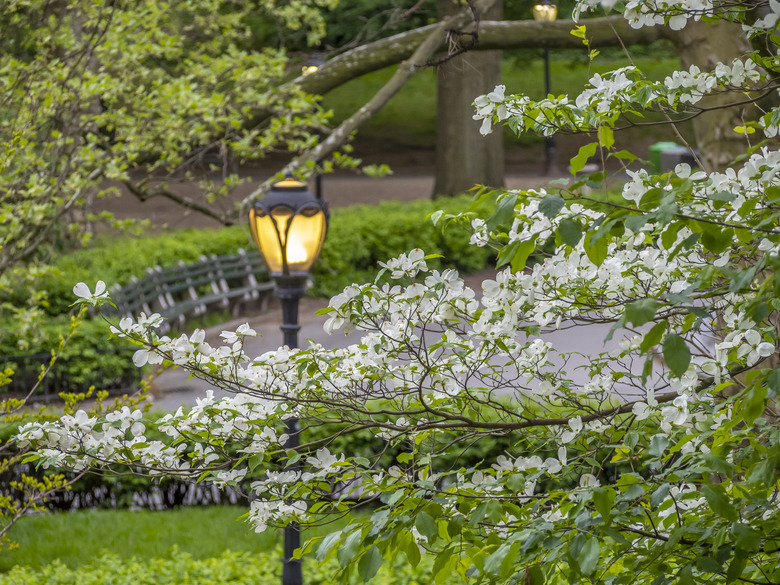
(338, 191)
(174, 388)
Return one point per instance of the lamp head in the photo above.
(313, 63)
(545, 11)
(289, 227)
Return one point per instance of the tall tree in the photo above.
(463, 157)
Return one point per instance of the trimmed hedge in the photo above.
(228, 569)
(359, 238)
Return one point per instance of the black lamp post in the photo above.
(289, 227)
(312, 65)
(546, 11)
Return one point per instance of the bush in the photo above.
(360, 236)
(227, 569)
(87, 359)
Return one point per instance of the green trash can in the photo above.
(655, 155)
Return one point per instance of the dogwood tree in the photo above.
(650, 460)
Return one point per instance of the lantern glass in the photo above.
(545, 12)
(289, 242)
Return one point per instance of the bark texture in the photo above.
(423, 52)
(493, 35)
(705, 45)
(464, 157)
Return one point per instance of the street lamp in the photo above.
(313, 63)
(289, 227)
(546, 11)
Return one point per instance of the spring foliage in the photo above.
(651, 459)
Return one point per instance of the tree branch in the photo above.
(405, 71)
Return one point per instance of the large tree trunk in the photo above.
(464, 157)
(705, 45)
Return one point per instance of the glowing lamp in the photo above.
(545, 11)
(313, 63)
(289, 227)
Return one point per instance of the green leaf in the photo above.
(640, 312)
(441, 563)
(506, 253)
(369, 564)
(493, 562)
(412, 552)
(624, 155)
(631, 439)
(606, 136)
(719, 502)
(596, 248)
(326, 544)
(737, 565)
(653, 337)
(635, 222)
(659, 495)
(426, 525)
(603, 500)
(773, 380)
(676, 354)
(707, 565)
(570, 232)
(588, 557)
(658, 445)
(685, 576)
(349, 548)
(754, 403)
(746, 537)
(504, 215)
(551, 205)
(763, 471)
(578, 162)
(524, 250)
(535, 574)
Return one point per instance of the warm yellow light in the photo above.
(544, 12)
(294, 246)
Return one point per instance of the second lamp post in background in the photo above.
(289, 227)
(546, 11)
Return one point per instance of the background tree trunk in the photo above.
(704, 45)
(464, 157)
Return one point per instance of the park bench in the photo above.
(177, 293)
(191, 290)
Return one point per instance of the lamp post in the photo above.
(289, 227)
(312, 65)
(546, 11)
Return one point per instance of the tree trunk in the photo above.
(705, 45)
(464, 157)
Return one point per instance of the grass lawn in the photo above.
(78, 537)
(409, 118)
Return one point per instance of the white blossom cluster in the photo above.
(643, 13)
(430, 346)
(609, 95)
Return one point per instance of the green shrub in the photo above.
(360, 237)
(87, 359)
(228, 569)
